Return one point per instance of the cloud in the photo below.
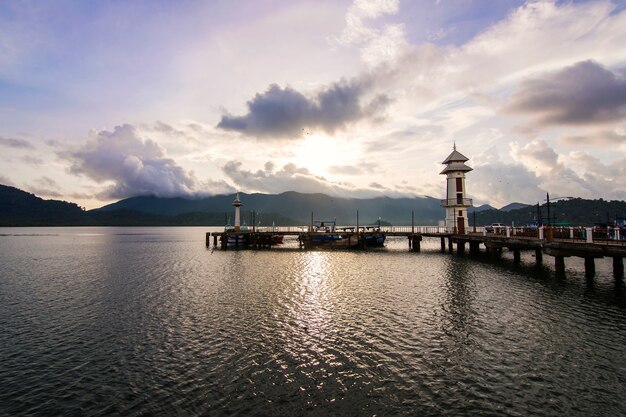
(600, 138)
(134, 165)
(500, 183)
(47, 182)
(378, 45)
(168, 129)
(554, 175)
(6, 181)
(289, 178)
(45, 187)
(287, 113)
(577, 174)
(538, 168)
(16, 143)
(44, 192)
(583, 94)
(31, 160)
(359, 169)
(605, 180)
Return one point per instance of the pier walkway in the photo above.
(560, 243)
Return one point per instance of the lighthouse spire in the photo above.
(237, 203)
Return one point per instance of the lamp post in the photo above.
(548, 199)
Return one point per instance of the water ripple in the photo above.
(147, 321)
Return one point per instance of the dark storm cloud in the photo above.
(287, 113)
(15, 143)
(134, 165)
(585, 93)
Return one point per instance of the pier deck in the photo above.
(559, 243)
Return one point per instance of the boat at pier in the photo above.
(374, 240)
(325, 234)
(236, 237)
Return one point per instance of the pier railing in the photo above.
(613, 235)
(597, 235)
(367, 229)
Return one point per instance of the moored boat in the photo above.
(375, 240)
(324, 234)
(237, 237)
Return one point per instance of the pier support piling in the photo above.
(559, 264)
(450, 248)
(443, 244)
(460, 247)
(618, 267)
(538, 256)
(208, 239)
(590, 267)
(474, 248)
(214, 240)
(416, 243)
(494, 251)
(516, 256)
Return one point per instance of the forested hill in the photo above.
(296, 206)
(19, 208)
(575, 211)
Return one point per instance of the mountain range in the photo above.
(295, 206)
(19, 208)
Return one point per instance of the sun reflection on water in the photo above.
(308, 334)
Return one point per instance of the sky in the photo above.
(103, 100)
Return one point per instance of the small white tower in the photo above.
(456, 204)
(237, 203)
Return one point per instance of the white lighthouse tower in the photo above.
(237, 203)
(456, 204)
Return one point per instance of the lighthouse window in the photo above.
(459, 198)
(460, 213)
(459, 185)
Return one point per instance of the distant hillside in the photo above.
(18, 207)
(576, 211)
(480, 208)
(296, 206)
(513, 206)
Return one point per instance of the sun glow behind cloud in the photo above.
(319, 153)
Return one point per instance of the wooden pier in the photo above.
(559, 243)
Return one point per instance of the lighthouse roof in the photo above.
(456, 166)
(455, 156)
(237, 202)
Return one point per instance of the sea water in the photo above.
(148, 321)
